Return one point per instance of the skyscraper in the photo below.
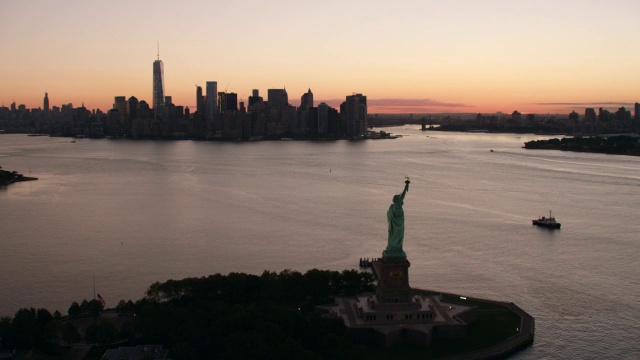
(222, 102)
(323, 119)
(636, 117)
(158, 87)
(278, 98)
(212, 99)
(590, 119)
(132, 105)
(306, 101)
(227, 102)
(46, 102)
(120, 104)
(232, 102)
(356, 114)
(255, 98)
(199, 100)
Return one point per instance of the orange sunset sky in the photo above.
(413, 56)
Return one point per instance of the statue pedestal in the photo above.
(393, 280)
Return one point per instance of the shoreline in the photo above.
(508, 347)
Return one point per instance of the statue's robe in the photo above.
(395, 217)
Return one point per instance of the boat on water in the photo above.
(548, 222)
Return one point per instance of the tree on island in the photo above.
(92, 307)
(243, 316)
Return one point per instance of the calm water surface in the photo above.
(130, 213)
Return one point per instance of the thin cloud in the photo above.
(399, 104)
(587, 104)
(412, 103)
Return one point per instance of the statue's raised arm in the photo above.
(395, 216)
(406, 187)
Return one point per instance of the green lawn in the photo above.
(494, 325)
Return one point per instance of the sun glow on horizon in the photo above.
(465, 57)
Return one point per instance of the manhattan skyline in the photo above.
(410, 57)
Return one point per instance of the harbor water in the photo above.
(128, 213)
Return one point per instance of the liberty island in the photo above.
(397, 313)
(388, 315)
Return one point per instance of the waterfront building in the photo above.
(574, 121)
(158, 88)
(590, 119)
(603, 120)
(354, 112)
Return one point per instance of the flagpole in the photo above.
(94, 288)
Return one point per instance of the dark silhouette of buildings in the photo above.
(219, 115)
(592, 123)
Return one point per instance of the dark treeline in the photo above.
(41, 331)
(235, 316)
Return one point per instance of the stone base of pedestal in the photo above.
(393, 280)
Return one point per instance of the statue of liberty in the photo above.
(395, 216)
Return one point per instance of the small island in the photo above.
(247, 316)
(321, 314)
(617, 144)
(9, 177)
